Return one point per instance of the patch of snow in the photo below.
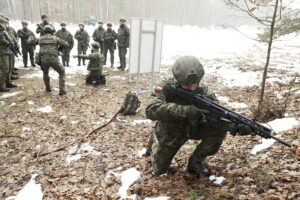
(237, 105)
(73, 123)
(128, 177)
(135, 122)
(7, 95)
(278, 125)
(265, 143)
(30, 102)
(2, 103)
(218, 180)
(118, 77)
(223, 99)
(84, 150)
(284, 124)
(158, 198)
(30, 191)
(13, 104)
(142, 152)
(71, 84)
(63, 117)
(46, 109)
(26, 129)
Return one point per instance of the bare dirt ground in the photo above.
(273, 174)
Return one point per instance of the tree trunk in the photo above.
(262, 92)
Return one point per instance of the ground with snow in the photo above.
(111, 165)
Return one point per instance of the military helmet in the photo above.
(96, 45)
(187, 69)
(24, 23)
(122, 19)
(44, 16)
(100, 22)
(48, 29)
(3, 20)
(63, 24)
(109, 24)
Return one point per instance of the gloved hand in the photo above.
(240, 129)
(192, 112)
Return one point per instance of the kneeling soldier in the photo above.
(95, 65)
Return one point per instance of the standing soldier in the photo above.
(95, 65)
(83, 39)
(68, 37)
(48, 57)
(123, 43)
(15, 50)
(27, 48)
(41, 26)
(4, 55)
(109, 37)
(98, 35)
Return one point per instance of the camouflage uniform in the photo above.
(68, 37)
(27, 48)
(174, 128)
(41, 28)
(123, 44)
(14, 39)
(98, 37)
(49, 45)
(83, 39)
(109, 37)
(4, 57)
(95, 65)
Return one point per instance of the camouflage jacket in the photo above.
(40, 28)
(66, 36)
(5, 40)
(83, 37)
(13, 34)
(96, 60)
(171, 116)
(109, 38)
(24, 34)
(123, 37)
(49, 44)
(98, 35)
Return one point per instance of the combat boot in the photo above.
(4, 89)
(198, 168)
(62, 92)
(10, 85)
(64, 63)
(33, 65)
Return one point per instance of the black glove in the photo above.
(192, 112)
(241, 129)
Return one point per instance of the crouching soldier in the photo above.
(95, 65)
(178, 120)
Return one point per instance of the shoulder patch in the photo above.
(158, 89)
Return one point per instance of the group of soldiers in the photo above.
(52, 44)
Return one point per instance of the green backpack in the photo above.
(130, 104)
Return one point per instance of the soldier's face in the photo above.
(2, 24)
(24, 26)
(189, 86)
(122, 22)
(63, 27)
(81, 27)
(45, 20)
(100, 25)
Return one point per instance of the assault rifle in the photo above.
(220, 112)
(11, 45)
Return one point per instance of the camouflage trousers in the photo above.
(65, 56)
(25, 52)
(166, 144)
(4, 69)
(122, 56)
(111, 52)
(81, 49)
(10, 68)
(48, 61)
(95, 76)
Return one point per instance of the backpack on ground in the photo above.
(130, 104)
